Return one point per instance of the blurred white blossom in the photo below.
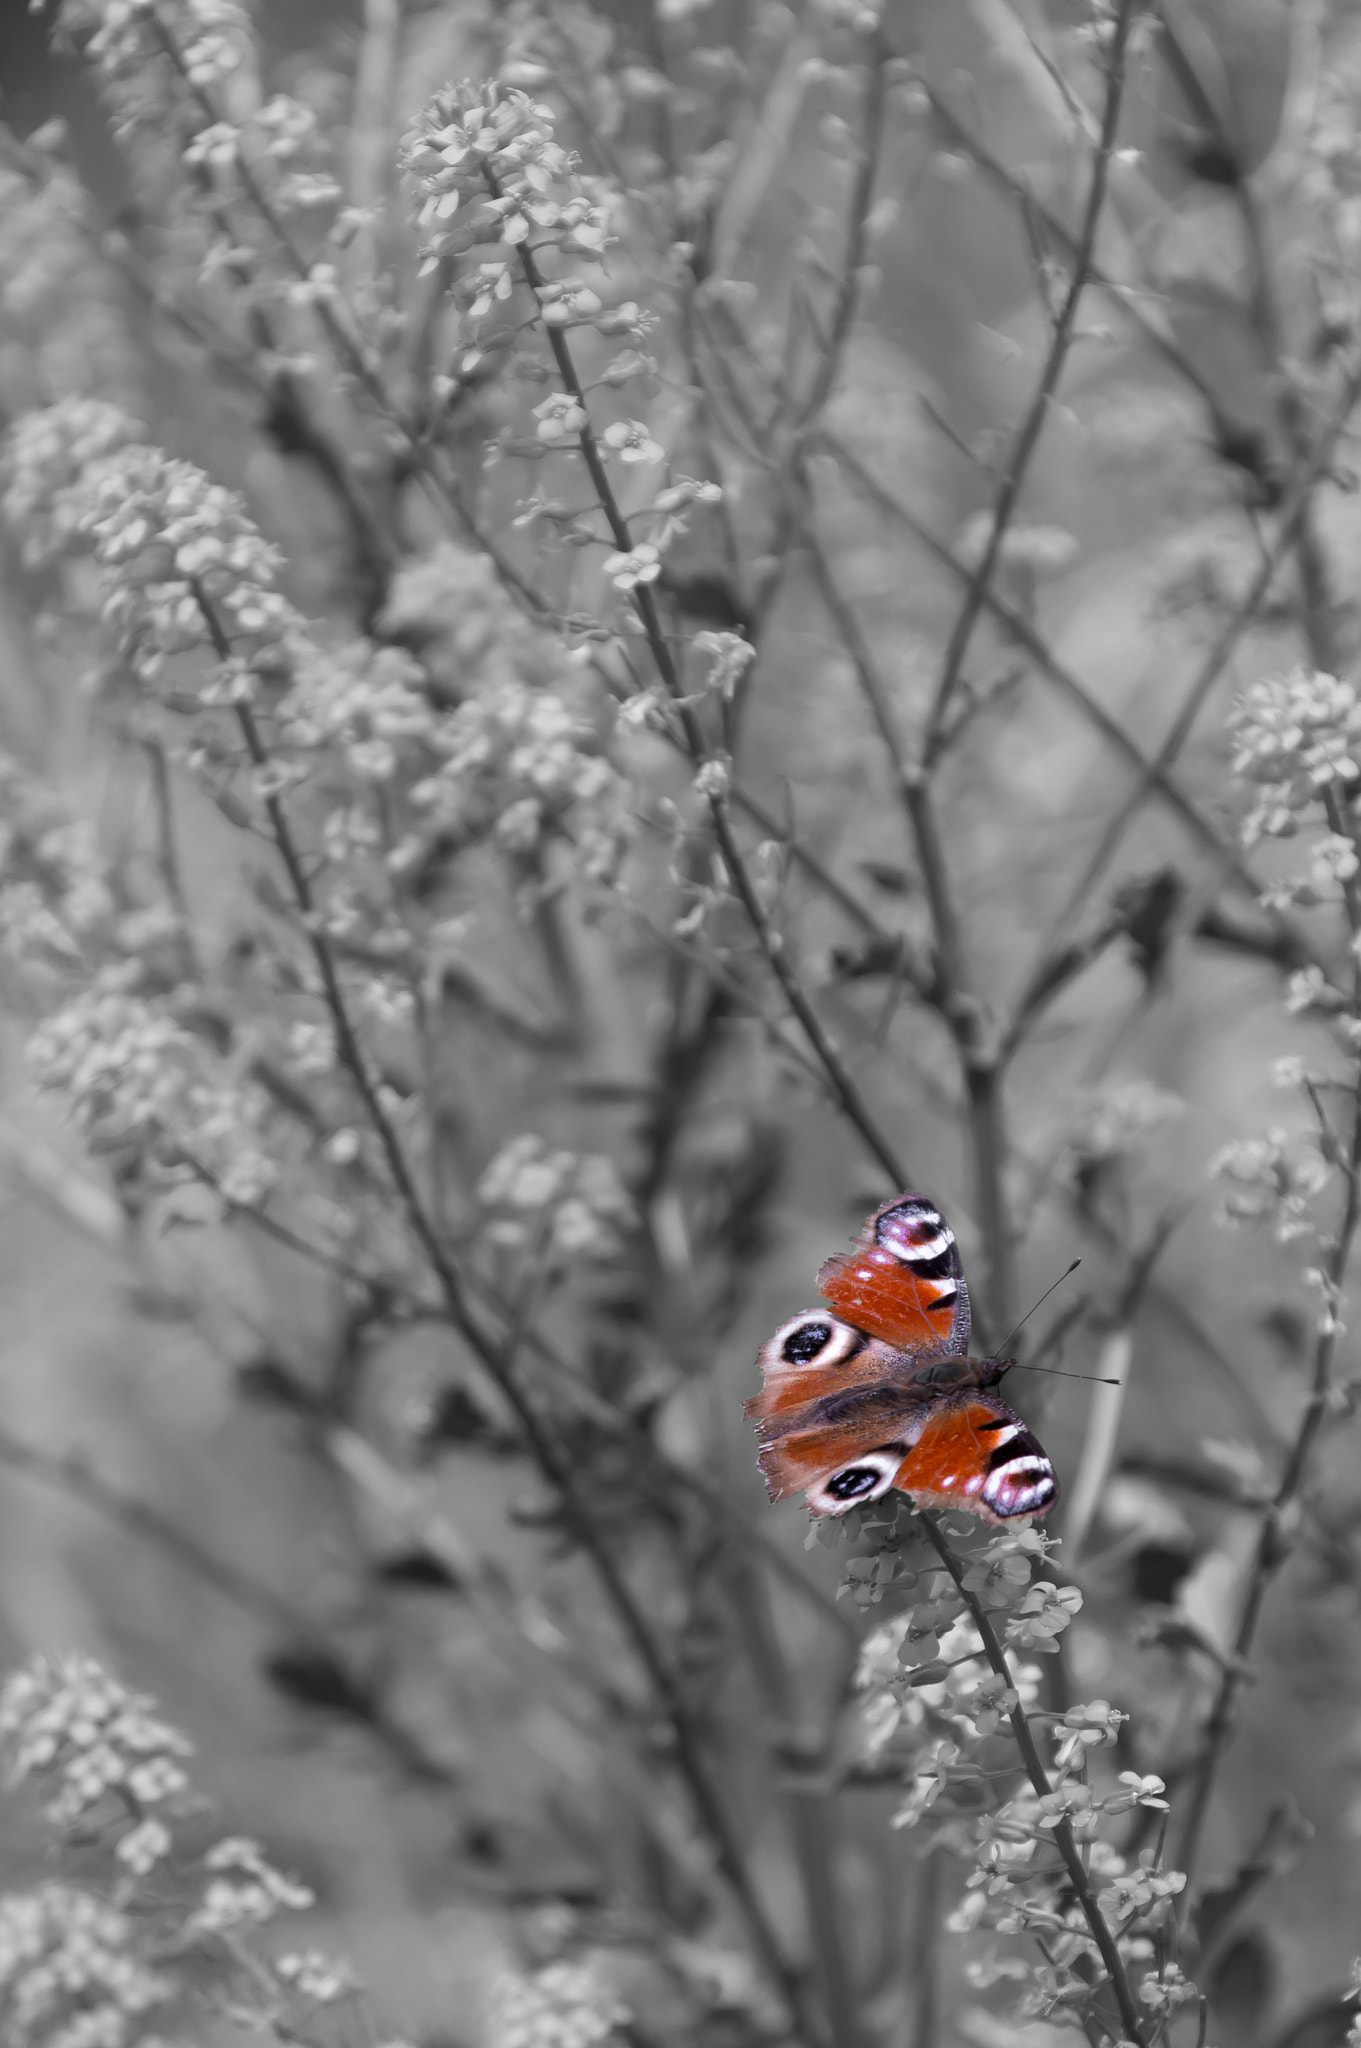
(1295, 737)
(128, 1074)
(562, 2005)
(96, 1749)
(572, 1204)
(70, 1973)
(1269, 1181)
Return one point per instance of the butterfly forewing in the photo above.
(903, 1282)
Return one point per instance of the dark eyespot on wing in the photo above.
(855, 1480)
(934, 1268)
(801, 1346)
(915, 1230)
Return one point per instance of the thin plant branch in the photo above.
(1217, 658)
(71, 1476)
(1037, 415)
(1273, 1539)
(497, 1358)
(1032, 644)
(771, 942)
(849, 286)
(951, 994)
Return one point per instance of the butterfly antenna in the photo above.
(1004, 1348)
(1094, 1378)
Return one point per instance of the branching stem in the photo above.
(1033, 425)
(1030, 1756)
(770, 941)
(497, 1360)
(1273, 1545)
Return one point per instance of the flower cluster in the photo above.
(513, 761)
(321, 1979)
(1118, 1121)
(102, 1754)
(135, 1081)
(150, 59)
(488, 173)
(70, 1972)
(1296, 744)
(1269, 1181)
(244, 1890)
(562, 2005)
(82, 1967)
(60, 329)
(365, 705)
(935, 1706)
(280, 145)
(58, 910)
(191, 590)
(567, 1205)
(185, 570)
(53, 460)
(486, 168)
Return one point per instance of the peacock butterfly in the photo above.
(882, 1394)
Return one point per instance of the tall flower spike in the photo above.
(1294, 737)
(487, 168)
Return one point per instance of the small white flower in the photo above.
(641, 564)
(1310, 989)
(1333, 858)
(322, 1978)
(560, 417)
(633, 443)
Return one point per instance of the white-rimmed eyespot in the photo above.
(815, 1338)
(869, 1476)
(1023, 1485)
(915, 1232)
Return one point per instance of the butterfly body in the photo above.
(878, 1391)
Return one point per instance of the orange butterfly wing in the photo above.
(973, 1452)
(903, 1282)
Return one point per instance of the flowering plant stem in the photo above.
(771, 942)
(1030, 1756)
(1272, 1546)
(498, 1360)
(1311, 471)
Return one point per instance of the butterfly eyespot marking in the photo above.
(855, 1480)
(916, 1232)
(865, 1480)
(1021, 1485)
(816, 1339)
(803, 1345)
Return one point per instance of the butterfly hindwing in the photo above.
(903, 1282)
(973, 1452)
(846, 1459)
